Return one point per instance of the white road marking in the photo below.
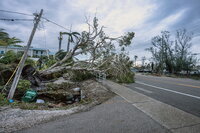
(143, 89)
(185, 94)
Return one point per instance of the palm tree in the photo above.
(71, 36)
(5, 40)
(3, 37)
(13, 40)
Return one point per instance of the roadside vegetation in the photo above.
(171, 55)
(54, 77)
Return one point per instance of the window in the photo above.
(36, 52)
(2, 52)
(41, 52)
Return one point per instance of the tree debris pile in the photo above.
(63, 95)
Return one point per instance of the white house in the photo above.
(33, 52)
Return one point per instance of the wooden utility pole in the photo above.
(21, 65)
(69, 40)
(60, 41)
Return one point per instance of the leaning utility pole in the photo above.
(21, 65)
(60, 41)
(69, 40)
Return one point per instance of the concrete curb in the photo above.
(170, 117)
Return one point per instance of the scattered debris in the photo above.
(29, 96)
(11, 100)
(40, 101)
(30, 114)
(76, 89)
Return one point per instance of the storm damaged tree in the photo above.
(184, 59)
(162, 52)
(100, 50)
(174, 56)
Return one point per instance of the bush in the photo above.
(3, 100)
(30, 62)
(121, 77)
(128, 78)
(9, 57)
(12, 57)
(23, 86)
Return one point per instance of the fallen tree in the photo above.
(105, 54)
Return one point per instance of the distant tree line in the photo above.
(172, 55)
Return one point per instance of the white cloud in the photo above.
(117, 15)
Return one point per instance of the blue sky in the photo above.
(144, 17)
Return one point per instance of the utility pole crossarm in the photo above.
(21, 65)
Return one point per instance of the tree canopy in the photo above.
(172, 55)
(6, 40)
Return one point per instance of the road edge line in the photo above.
(138, 105)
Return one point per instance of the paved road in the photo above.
(180, 93)
(113, 116)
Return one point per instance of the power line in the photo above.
(48, 20)
(44, 35)
(55, 23)
(16, 12)
(11, 19)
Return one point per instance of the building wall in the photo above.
(40, 53)
(16, 50)
(2, 51)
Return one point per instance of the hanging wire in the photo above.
(15, 19)
(48, 20)
(16, 12)
(44, 31)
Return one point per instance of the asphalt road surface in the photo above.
(180, 93)
(114, 116)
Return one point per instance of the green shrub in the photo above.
(128, 78)
(120, 77)
(23, 85)
(3, 100)
(9, 57)
(30, 62)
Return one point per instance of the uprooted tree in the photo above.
(105, 54)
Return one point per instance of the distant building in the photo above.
(33, 52)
